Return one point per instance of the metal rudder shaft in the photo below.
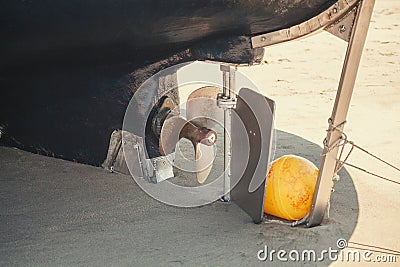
(227, 101)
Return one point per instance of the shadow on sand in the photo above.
(55, 212)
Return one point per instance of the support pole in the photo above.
(340, 110)
(227, 102)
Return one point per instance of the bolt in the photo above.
(342, 28)
(335, 10)
(211, 138)
(263, 39)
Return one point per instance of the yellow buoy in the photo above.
(290, 187)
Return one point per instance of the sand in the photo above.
(302, 78)
(55, 212)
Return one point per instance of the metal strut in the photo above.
(227, 101)
(328, 164)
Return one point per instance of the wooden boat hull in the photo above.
(69, 68)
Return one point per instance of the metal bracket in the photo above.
(225, 102)
(113, 150)
(343, 27)
(162, 168)
(126, 155)
(318, 23)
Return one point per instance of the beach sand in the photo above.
(302, 77)
(55, 212)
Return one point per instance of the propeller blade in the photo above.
(202, 109)
(204, 161)
(170, 134)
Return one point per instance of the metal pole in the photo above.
(340, 110)
(227, 154)
(227, 102)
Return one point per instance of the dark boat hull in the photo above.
(69, 68)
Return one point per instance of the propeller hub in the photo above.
(210, 139)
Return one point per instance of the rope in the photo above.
(374, 250)
(387, 163)
(376, 175)
(341, 143)
(381, 249)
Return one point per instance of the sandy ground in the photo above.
(60, 213)
(302, 78)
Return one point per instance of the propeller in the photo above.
(203, 140)
(202, 109)
(202, 113)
